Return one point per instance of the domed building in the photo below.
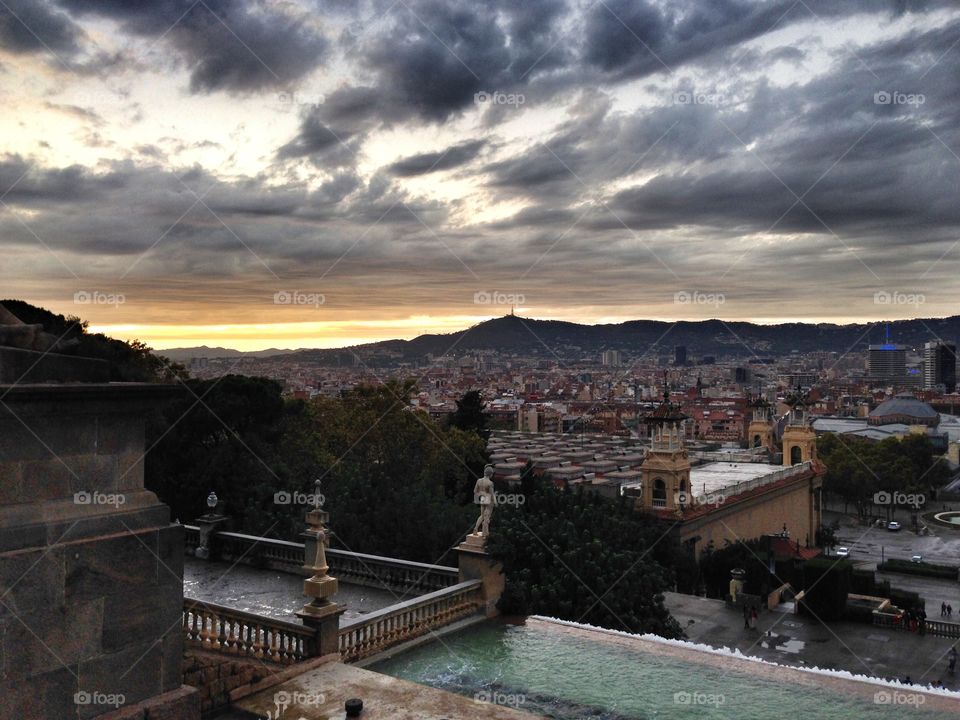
(904, 409)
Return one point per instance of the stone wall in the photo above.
(216, 676)
(91, 570)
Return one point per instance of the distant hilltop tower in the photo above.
(799, 438)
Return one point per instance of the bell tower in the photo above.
(760, 432)
(666, 469)
(799, 438)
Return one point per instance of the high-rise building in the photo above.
(680, 355)
(887, 361)
(612, 358)
(940, 365)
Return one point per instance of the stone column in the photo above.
(321, 613)
(475, 563)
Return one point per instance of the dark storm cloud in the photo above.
(33, 26)
(234, 46)
(424, 163)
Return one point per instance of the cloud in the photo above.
(237, 47)
(33, 26)
(424, 163)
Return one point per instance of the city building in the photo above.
(612, 358)
(680, 355)
(940, 365)
(887, 361)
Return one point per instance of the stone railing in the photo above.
(375, 571)
(776, 476)
(933, 627)
(380, 630)
(221, 629)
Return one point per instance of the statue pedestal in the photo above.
(324, 619)
(208, 525)
(475, 563)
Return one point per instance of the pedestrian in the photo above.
(943, 609)
(907, 680)
(746, 617)
(753, 618)
(949, 610)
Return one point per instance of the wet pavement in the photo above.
(789, 639)
(270, 593)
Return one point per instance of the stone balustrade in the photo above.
(933, 627)
(400, 576)
(226, 630)
(380, 630)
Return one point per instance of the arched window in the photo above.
(757, 442)
(795, 455)
(659, 493)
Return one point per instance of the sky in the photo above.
(318, 174)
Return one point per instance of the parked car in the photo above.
(843, 552)
(893, 526)
(916, 558)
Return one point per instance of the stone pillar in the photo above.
(475, 563)
(91, 569)
(321, 613)
(208, 524)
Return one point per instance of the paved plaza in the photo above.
(798, 640)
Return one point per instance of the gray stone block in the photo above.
(48, 639)
(135, 672)
(136, 613)
(31, 579)
(46, 696)
(125, 563)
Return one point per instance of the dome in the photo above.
(904, 408)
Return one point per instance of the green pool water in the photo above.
(565, 676)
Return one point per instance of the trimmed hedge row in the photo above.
(922, 568)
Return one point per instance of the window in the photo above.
(659, 493)
(795, 455)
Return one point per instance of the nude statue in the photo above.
(485, 497)
(17, 334)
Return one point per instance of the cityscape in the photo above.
(512, 360)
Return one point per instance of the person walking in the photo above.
(753, 618)
(943, 609)
(952, 660)
(746, 617)
(949, 610)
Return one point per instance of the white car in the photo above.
(893, 526)
(843, 552)
(916, 559)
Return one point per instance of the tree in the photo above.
(584, 558)
(470, 414)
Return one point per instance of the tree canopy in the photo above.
(580, 557)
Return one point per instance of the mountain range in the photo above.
(567, 340)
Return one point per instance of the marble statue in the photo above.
(485, 497)
(17, 334)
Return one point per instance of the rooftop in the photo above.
(716, 476)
